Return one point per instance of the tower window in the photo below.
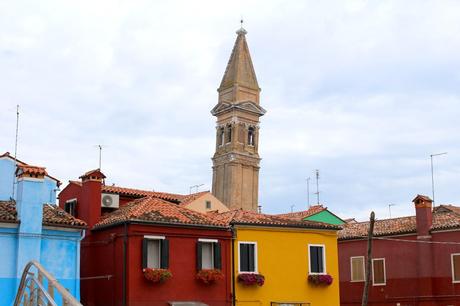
(221, 136)
(251, 136)
(229, 133)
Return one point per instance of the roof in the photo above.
(138, 193)
(192, 197)
(397, 226)
(95, 172)
(33, 170)
(243, 217)
(52, 215)
(447, 208)
(21, 163)
(239, 68)
(299, 215)
(155, 210)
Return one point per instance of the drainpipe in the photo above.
(77, 264)
(233, 268)
(125, 242)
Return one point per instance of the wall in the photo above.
(7, 170)
(102, 254)
(8, 254)
(200, 204)
(283, 260)
(405, 284)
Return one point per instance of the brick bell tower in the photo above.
(235, 179)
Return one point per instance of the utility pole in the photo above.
(308, 192)
(432, 174)
(369, 260)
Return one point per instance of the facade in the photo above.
(315, 213)
(33, 229)
(415, 260)
(235, 179)
(148, 232)
(285, 252)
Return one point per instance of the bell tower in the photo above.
(235, 179)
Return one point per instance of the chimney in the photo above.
(424, 215)
(89, 209)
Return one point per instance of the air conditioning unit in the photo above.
(110, 200)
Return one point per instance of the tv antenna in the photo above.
(432, 174)
(292, 208)
(389, 208)
(308, 192)
(195, 186)
(15, 150)
(317, 186)
(100, 147)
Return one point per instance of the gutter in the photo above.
(134, 221)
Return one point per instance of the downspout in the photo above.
(125, 242)
(233, 267)
(78, 260)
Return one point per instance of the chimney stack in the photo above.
(89, 209)
(424, 215)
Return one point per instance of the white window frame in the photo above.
(324, 259)
(256, 266)
(452, 267)
(384, 272)
(351, 269)
(155, 238)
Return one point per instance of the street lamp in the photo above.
(432, 175)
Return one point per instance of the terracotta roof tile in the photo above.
(52, 215)
(152, 209)
(395, 226)
(33, 170)
(300, 215)
(8, 211)
(192, 197)
(252, 218)
(447, 208)
(21, 163)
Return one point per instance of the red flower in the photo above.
(209, 276)
(250, 279)
(157, 275)
(320, 279)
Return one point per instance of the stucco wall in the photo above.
(200, 204)
(282, 256)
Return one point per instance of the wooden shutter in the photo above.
(199, 254)
(456, 267)
(379, 271)
(144, 253)
(357, 269)
(244, 265)
(217, 256)
(251, 258)
(164, 257)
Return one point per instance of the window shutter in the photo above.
(251, 258)
(217, 256)
(379, 271)
(456, 268)
(244, 257)
(164, 249)
(199, 255)
(320, 260)
(144, 253)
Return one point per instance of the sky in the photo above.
(364, 91)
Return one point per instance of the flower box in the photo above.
(251, 279)
(157, 275)
(209, 276)
(320, 279)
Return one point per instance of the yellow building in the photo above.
(285, 252)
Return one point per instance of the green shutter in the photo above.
(164, 250)
(217, 256)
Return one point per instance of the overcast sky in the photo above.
(364, 91)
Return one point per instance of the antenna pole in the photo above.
(432, 174)
(100, 156)
(15, 150)
(308, 192)
(389, 208)
(317, 186)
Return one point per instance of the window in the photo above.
(208, 254)
(155, 252)
(455, 261)
(70, 207)
(251, 136)
(378, 272)
(247, 257)
(229, 134)
(357, 268)
(220, 136)
(208, 204)
(317, 262)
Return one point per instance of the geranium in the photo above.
(157, 275)
(209, 276)
(250, 279)
(320, 279)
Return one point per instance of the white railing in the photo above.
(32, 291)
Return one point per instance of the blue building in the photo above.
(32, 227)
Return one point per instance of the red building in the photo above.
(415, 260)
(153, 232)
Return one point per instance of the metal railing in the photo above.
(32, 291)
